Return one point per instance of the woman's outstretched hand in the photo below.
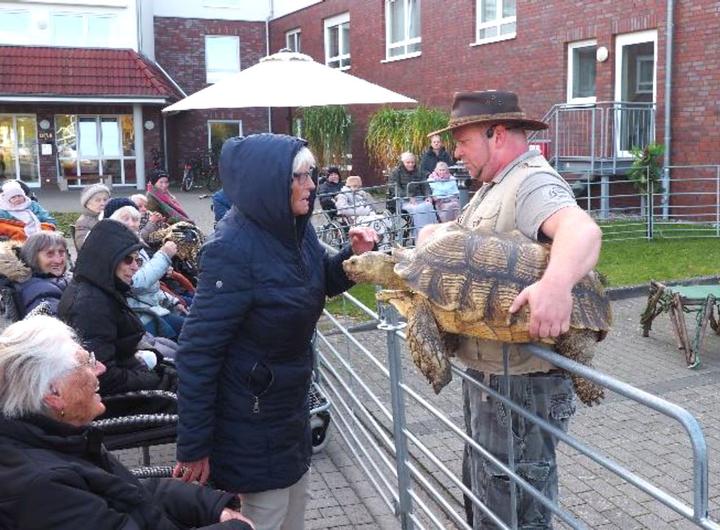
(362, 239)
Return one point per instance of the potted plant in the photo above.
(327, 130)
(645, 173)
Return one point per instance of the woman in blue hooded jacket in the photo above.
(244, 357)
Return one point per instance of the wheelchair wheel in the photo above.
(332, 234)
(319, 424)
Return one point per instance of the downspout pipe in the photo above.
(271, 13)
(669, 32)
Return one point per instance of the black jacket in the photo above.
(54, 476)
(402, 179)
(327, 192)
(244, 359)
(94, 305)
(429, 160)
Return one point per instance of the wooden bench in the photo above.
(87, 178)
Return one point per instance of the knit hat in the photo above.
(90, 191)
(157, 175)
(115, 204)
(12, 188)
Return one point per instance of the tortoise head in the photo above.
(370, 267)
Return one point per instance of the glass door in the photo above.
(635, 90)
(19, 148)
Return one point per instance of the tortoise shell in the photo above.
(477, 273)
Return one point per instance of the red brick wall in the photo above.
(533, 64)
(180, 50)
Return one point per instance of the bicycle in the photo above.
(201, 171)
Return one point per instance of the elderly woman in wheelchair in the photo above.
(356, 207)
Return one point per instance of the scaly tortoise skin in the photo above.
(188, 238)
(462, 282)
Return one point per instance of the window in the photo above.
(496, 20)
(97, 145)
(292, 40)
(222, 57)
(19, 148)
(83, 30)
(14, 27)
(645, 66)
(221, 3)
(337, 41)
(402, 28)
(581, 72)
(221, 130)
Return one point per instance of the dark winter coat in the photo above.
(430, 159)
(244, 361)
(54, 476)
(402, 178)
(327, 192)
(41, 288)
(94, 305)
(220, 204)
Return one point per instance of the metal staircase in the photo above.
(591, 142)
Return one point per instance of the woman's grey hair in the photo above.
(123, 213)
(407, 155)
(34, 353)
(138, 197)
(38, 242)
(304, 160)
(441, 165)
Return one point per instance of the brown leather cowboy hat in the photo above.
(488, 106)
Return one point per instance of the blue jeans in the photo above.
(549, 396)
(167, 326)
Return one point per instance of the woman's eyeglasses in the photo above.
(128, 260)
(303, 177)
(91, 361)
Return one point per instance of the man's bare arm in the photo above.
(574, 252)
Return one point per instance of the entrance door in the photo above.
(635, 90)
(19, 148)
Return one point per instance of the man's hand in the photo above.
(192, 471)
(229, 515)
(362, 239)
(550, 307)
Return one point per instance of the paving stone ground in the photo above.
(644, 441)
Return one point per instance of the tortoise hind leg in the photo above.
(578, 345)
(427, 346)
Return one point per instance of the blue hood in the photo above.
(256, 172)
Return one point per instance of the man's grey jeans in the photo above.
(549, 396)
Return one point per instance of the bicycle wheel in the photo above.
(213, 182)
(188, 179)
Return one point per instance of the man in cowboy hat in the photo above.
(520, 191)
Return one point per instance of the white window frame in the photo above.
(16, 148)
(407, 41)
(239, 123)
(100, 157)
(213, 76)
(22, 36)
(294, 35)
(628, 39)
(337, 20)
(497, 22)
(86, 17)
(638, 84)
(223, 4)
(571, 70)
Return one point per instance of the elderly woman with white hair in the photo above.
(55, 474)
(161, 313)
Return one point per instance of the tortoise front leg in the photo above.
(427, 346)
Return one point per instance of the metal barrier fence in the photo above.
(386, 417)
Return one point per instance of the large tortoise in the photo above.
(462, 282)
